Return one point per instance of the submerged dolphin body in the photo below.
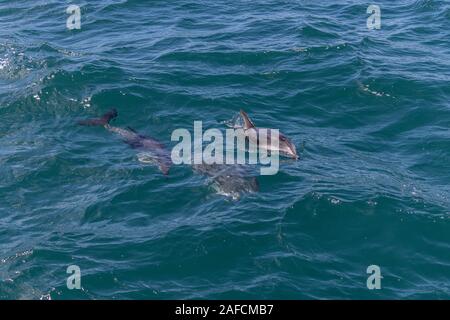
(285, 146)
(228, 180)
(153, 151)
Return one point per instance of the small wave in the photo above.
(366, 88)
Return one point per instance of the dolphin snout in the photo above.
(293, 154)
(289, 149)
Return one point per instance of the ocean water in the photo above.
(368, 110)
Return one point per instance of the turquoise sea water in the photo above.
(371, 109)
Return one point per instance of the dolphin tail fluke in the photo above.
(248, 124)
(104, 120)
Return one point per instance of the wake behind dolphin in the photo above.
(153, 150)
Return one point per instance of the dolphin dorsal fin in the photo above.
(248, 124)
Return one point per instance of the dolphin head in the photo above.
(286, 147)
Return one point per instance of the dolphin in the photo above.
(152, 151)
(285, 146)
(228, 180)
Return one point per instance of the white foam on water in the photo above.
(3, 63)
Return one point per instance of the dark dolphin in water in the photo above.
(228, 180)
(285, 146)
(153, 150)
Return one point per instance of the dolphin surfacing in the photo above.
(153, 150)
(285, 146)
(228, 180)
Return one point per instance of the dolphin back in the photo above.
(103, 120)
